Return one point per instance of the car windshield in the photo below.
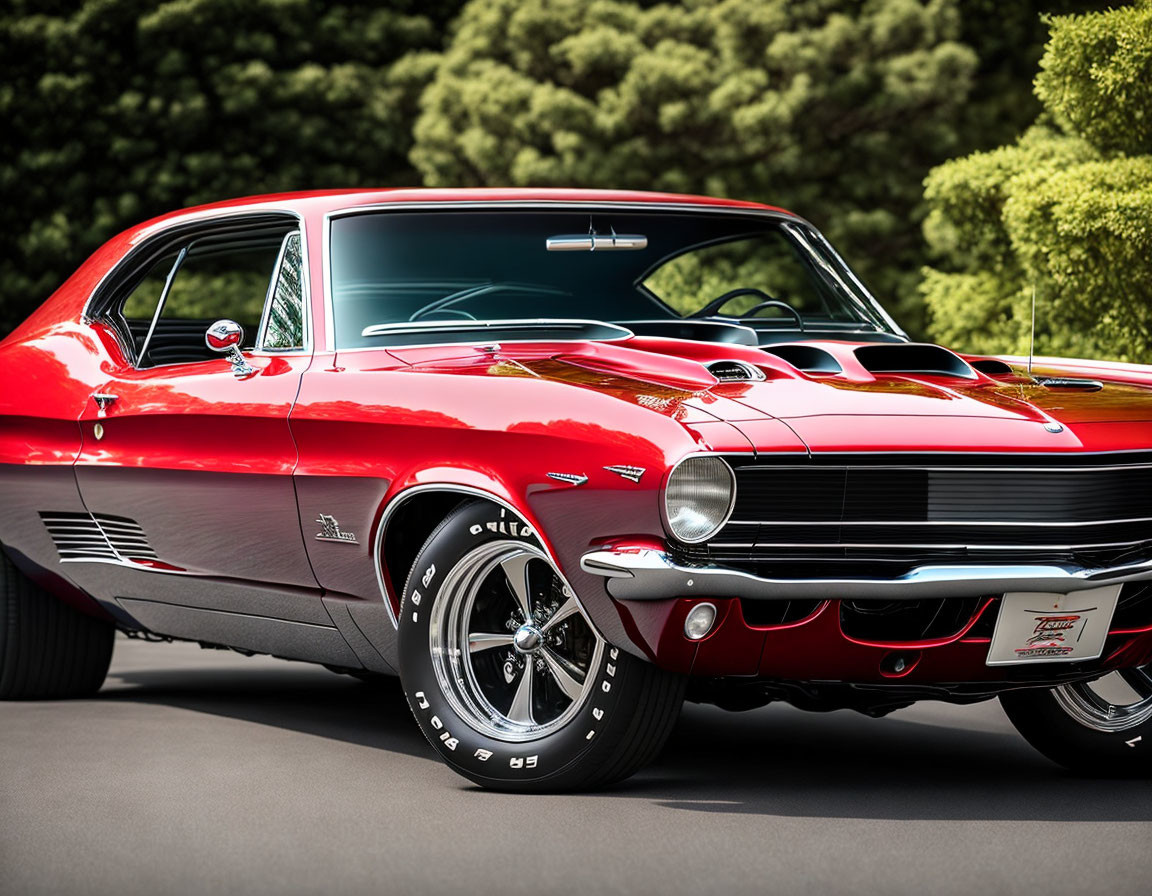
(416, 277)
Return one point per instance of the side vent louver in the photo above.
(85, 537)
(734, 371)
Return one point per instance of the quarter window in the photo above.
(284, 324)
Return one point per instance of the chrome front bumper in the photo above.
(647, 574)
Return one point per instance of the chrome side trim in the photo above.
(652, 575)
(977, 468)
(831, 545)
(961, 523)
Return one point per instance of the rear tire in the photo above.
(516, 701)
(1079, 726)
(48, 649)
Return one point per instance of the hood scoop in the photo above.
(913, 358)
(730, 371)
(992, 367)
(807, 358)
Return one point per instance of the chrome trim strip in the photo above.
(1142, 519)
(652, 575)
(939, 546)
(1070, 468)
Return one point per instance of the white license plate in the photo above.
(1052, 628)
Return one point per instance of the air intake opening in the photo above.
(806, 358)
(734, 371)
(992, 367)
(923, 359)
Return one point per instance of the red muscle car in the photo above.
(560, 460)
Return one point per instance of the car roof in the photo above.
(312, 202)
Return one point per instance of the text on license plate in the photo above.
(1052, 628)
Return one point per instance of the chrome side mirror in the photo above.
(225, 337)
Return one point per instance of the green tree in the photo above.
(1065, 212)
(116, 110)
(834, 109)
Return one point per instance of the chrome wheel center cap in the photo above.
(527, 638)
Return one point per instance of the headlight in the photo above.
(699, 497)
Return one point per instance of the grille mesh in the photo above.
(888, 508)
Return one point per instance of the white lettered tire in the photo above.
(505, 675)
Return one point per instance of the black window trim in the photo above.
(106, 300)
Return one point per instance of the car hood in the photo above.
(846, 397)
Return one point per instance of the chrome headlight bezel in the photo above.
(673, 515)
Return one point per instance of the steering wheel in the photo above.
(769, 302)
(774, 303)
(444, 303)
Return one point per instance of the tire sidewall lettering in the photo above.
(452, 737)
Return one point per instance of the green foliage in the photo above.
(1096, 78)
(116, 110)
(1059, 212)
(836, 109)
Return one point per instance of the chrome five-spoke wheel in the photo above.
(511, 648)
(505, 672)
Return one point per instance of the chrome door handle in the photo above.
(105, 400)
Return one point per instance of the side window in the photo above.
(223, 275)
(140, 304)
(283, 327)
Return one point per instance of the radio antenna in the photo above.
(1032, 337)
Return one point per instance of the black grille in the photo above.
(907, 620)
(1134, 610)
(1095, 510)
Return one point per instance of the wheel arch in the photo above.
(411, 515)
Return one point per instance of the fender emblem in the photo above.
(330, 531)
(570, 478)
(632, 474)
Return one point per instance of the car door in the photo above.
(186, 462)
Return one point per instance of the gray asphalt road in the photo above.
(204, 772)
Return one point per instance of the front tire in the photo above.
(506, 675)
(1101, 728)
(48, 649)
